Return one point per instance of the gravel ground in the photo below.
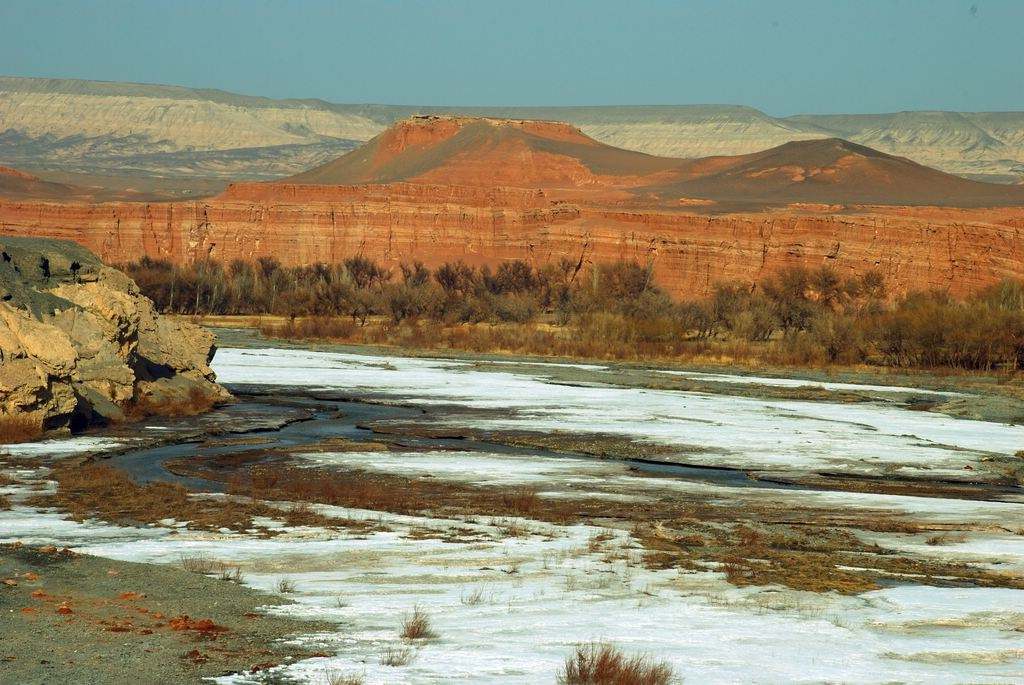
(69, 618)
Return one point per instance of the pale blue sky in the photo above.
(784, 57)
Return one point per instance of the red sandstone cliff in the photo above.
(541, 191)
(914, 247)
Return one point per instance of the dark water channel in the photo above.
(345, 418)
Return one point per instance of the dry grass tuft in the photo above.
(397, 656)
(285, 586)
(604, 664)
(20, 428)
(417, 626)
(199, 563)
(231, 574)
(522, 501)
(339, 678)
(5, 503)
(473, 598)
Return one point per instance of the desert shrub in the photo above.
(366, 273)
(698, 318)
(839, 338)
(604, 664)
(199, 563)
(515, 276)
(789, 292)
(410, 299)
(513, 306)
(415, 275)
(932, 330)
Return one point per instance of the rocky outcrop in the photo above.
(915, 247)
(79, 344)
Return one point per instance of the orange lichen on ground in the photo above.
(203, 626)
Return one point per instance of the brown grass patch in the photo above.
(384, 492)
(197, 401)
(103, 492)
(19, 428)
(417, 626)
(783, 544)
(604, 664)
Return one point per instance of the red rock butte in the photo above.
(486, 190)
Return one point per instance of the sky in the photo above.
(783, 56)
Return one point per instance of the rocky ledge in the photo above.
(80, 345)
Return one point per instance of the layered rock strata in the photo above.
(79, 344)
(960, 251)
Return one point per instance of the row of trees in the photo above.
(815, 313)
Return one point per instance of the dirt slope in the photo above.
(833, 171)
(473, 151)
(18, 184)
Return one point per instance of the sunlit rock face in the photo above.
(79, 343)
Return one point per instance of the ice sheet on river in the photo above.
(770, 435)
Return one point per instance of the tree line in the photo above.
(814, 315)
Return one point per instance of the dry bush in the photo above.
(199, 563)
(473, 598)
(339, 678)
(397, 656)
(20, 428)
(232, 574)
(604, 664)
(197, 401)
(417, 626)
(5, 503)
(285, 586)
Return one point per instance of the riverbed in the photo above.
(509, 597)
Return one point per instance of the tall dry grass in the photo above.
(19, 428)
(605, 664)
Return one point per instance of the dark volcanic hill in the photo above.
(833, 171)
